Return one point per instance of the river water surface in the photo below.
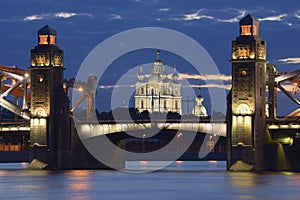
(180, 180)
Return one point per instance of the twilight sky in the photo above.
(83, 24)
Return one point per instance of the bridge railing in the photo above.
(9, 122)
(192, 120)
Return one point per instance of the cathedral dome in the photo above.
(47, 30)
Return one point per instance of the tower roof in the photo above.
(249, 20)
(47, 30)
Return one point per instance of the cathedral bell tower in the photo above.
(247, 108)
(49, 102)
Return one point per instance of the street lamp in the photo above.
(179, 135)
(144, 136)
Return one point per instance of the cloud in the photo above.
(196, 16)
(115, 17)
(289, 23)
(241, 13)
(297, 14)
(163, 9)
(210, 77)
(64, 15)
(222, 86)
(113, 86)
(290, 60)
(222, 77)
(273, 18)
(34, 17)
(225, 86)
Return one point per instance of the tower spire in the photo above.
(141, 76)
(158, 56)
(199, 92)
(141, 69)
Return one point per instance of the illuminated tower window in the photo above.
(243, 52)
(246, 30)
(43, 39)
(52, 39)
(255, 30)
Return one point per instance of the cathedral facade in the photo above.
(160, 92)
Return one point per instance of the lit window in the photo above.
(52, 39)
(40, 60)
(255, 30)
(41, 79)
(246, 30)
(243, 52)
(43, 39)
(57, 61)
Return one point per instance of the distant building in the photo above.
(158, 93)
(199, 109)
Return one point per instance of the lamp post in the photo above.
(144, 136)
(179, 135)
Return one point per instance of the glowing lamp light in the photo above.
(41, 79)
(294, 89)
(244, 73)
(179, 135)
(273, 126)
(80, 89)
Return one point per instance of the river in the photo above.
(180, 180)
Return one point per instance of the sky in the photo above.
(83, 24)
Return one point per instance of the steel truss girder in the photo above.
(23, 81)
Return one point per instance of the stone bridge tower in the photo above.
(247, 108)
(50, 124)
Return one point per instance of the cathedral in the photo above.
(158, 93)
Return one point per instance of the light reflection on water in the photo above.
(181, 180)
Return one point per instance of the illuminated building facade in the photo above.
(49, 103)
(158, 93)
(247, 125)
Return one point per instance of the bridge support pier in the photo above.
(53, 137)
(246, 109)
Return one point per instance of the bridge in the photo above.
(93, 129)
(255, 134)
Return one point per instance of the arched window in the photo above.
(152, 91)
(142, 90)
(142, 104)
